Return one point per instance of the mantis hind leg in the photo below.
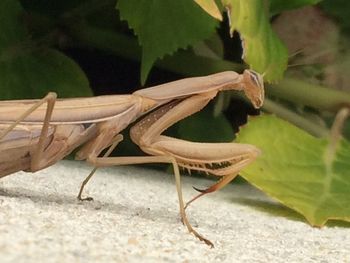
(50, 99)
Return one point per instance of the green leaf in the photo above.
(297, 169)
(278, 6)
(27, 71)
(34, 74)
(11, 29)
(164, 26)
(263, 50)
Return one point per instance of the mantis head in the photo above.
(253, 87)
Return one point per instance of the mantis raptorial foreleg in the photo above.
(246, 159)
(229, 157)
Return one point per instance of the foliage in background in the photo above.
(278, 6)
(187, 37)
(161, 32)
(339, 9)
(262, 49)
(299, 170)
(165, 26)
(27, 68)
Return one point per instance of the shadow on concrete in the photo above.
(279, 210)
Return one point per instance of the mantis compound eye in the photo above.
(254, 87)
(256, 78)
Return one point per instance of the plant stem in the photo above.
(284, 113)
(184, 62)
(304, 93)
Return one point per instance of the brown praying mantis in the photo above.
(35, 134)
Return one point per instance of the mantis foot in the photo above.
(85, 199)
(201, 238)
(194, 232)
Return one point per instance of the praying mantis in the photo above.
(35, 134)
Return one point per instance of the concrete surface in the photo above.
(134, 218)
